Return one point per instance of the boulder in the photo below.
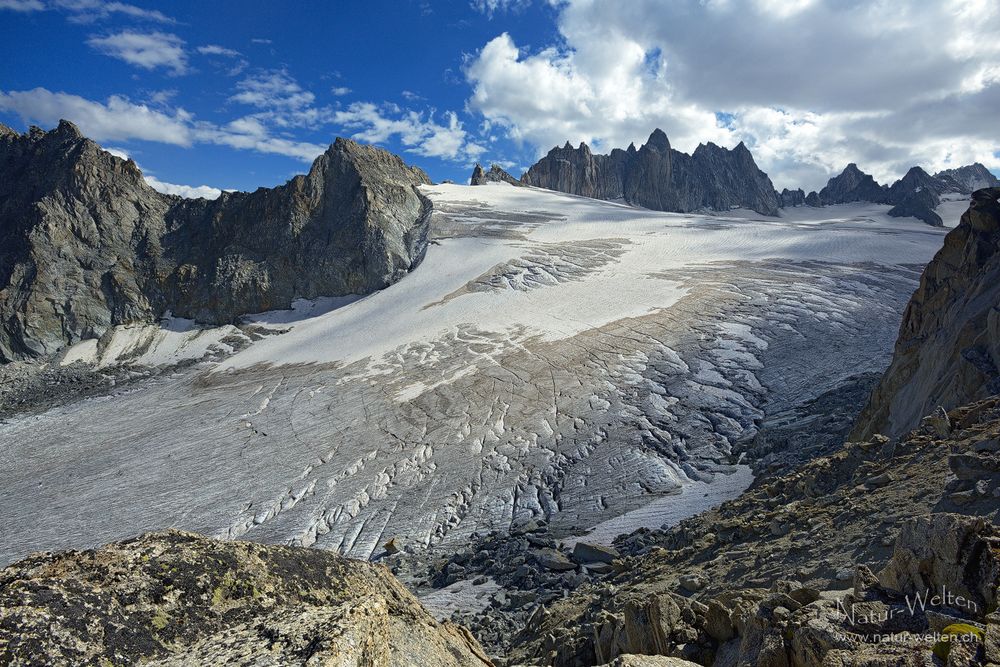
(951, 555)
(584, 553)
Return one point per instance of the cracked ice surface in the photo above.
(553, 356)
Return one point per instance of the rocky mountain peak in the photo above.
(355, 223)
(970, 177)
(658, 140)
(852, 185)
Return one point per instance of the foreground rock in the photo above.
(949, 346)
(785, 574)
(86, 244)
(658, 177)
(177, 598)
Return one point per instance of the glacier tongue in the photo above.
(553, 355)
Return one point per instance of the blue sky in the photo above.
(244, 94)
(230, 60)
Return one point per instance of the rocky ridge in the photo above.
(175, 598)
(916, 195)
(86, 244)
(658, 177)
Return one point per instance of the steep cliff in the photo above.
(176, 598)
(86, 244)
(948, 350)
(659, 177)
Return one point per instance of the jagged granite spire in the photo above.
(658, 177)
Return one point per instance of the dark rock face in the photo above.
(916, 195)
(86, 244)
(792, 198)
(948, 351)
(853, 185)
(919, 204)
(496, 174)
(969, 178)
(658, 177)
(812, 199)
(181, 599)
(915, 181)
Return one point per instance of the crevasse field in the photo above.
(595, 364)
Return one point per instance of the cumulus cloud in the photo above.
(186, 191)
(808, 84)
(146, 50)
(420, 133)
(340, 91)
(116, 119)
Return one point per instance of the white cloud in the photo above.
(120, 119)
(491, 7)
(22, 5)
(418, 132)
(216, 50)
(117, 119)
(186, 191)
(145, 50)
(608, 98)
(340, 91)
(809, 84)
(274, 89)
(88, 11)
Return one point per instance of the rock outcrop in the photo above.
(657, 177)
(496, 174)
(176, 598)
(948, 350)
(792, 198)
(785, 574)
(86, 244)
(853, 185)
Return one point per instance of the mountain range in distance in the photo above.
(659, 177)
